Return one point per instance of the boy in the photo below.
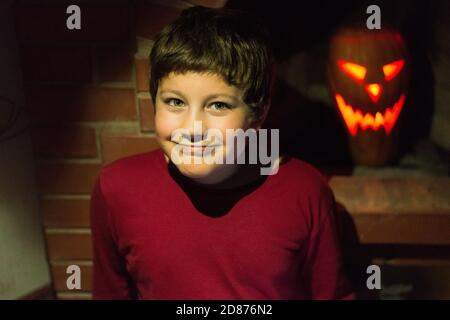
(166, 227)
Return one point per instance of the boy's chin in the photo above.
(200, 172)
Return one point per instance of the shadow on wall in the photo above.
(309, 129)
(23, 265)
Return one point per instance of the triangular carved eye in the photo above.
(392, 69)
(355, 71)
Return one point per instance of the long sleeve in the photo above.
(110, 277)
(323, 271)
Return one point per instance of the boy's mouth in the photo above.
(198, 149)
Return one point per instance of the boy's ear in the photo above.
(273, 78)
(257, 122)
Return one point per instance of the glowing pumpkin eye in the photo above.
(354, 70)
(392, 69)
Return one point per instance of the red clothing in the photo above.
(157, 236)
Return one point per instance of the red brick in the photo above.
(403, 229)
(115, 146)
(56, 105)
(377, 195)
(70, 141)
(147, 114)
(114, 63)
(66, 177)
(65, 212)
(151, 18)
(69, 246)
(142, 74)
(46, 23)
(413, 262)
(56, 63)
(70, 295)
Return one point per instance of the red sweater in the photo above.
(159, 236)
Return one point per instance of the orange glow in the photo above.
(392, 69)
(354, 118)
(354, 70)
(374, 91)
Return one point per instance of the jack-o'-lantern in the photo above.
(368, 73)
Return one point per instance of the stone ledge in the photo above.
(396, 210)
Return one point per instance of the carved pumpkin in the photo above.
(368, 73)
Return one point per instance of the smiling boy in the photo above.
(165, 229)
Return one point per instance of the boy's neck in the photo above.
(232, 176)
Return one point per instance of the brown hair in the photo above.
(231, 43)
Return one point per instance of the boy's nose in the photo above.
(192, 120)
(195, 126)
(374, 91)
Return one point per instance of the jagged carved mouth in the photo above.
(355, 118)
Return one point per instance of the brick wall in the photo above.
(88, 101)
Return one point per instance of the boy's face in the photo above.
(184, 101)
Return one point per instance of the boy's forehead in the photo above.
(198, 82)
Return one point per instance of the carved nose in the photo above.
(374, 90)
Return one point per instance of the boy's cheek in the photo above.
(164, 125)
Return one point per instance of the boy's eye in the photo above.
(173, 102)
(219, 106)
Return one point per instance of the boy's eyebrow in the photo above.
(212, 96)
(207, 98)
(172, 91)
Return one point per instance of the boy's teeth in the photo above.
(353, 118)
